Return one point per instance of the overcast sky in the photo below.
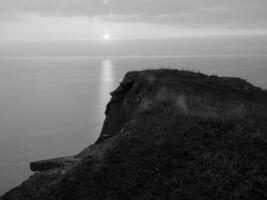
(41, 20)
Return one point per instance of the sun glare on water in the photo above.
(106, 37)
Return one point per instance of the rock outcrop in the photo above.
(54, 163)
(168, 134)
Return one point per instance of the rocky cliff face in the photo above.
(168, 134)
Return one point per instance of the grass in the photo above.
(181, 157)
(195, 137)
(185, 136)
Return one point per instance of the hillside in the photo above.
(168, 134)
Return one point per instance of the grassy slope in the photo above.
(193, 137)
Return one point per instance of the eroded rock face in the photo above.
(168, 134)
(122, 105)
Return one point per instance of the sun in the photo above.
(106, 37)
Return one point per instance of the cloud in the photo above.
(182, 13)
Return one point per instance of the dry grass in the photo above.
(205, 107)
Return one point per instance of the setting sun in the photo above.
(106, 37)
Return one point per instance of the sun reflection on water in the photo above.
(107, 72)
(106, 85)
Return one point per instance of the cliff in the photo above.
(168, 134)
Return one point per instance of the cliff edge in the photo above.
(168, 134)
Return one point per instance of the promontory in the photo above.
(168, 134)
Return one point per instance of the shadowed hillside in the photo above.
(168, 134)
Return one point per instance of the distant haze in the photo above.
(230, 45)
(76, 20)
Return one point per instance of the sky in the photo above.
(82, 20)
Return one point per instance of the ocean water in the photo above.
(54, 106)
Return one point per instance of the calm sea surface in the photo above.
(54, 106)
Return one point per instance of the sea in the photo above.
(54, 106)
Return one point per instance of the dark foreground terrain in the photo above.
(168, 134)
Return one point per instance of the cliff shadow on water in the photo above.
(168, 134)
